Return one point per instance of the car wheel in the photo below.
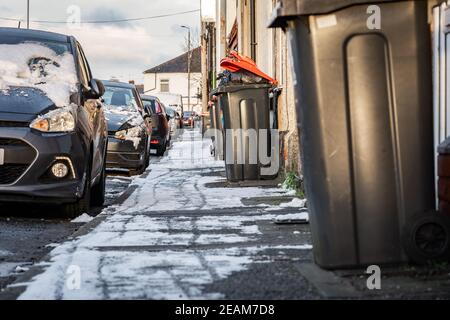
(161, 149)
(427, 238)
(73, 210)
(147, 159)
(98, 191)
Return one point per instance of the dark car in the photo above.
(160, 122)
(189, 119)
(129, 128)
(53, 132)
(178, 120)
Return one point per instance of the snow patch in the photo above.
(55, 75)
(84, 218)
(4, 253)
(295, 217)
(135, 252)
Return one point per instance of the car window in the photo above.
(170, 112)
(50, 67)
(82, 67)
(59, 48)
(122, 99)
(139, 103)
(149, 105)
(154, 105)
(163, 109)
(85, 63)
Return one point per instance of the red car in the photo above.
(189, 119)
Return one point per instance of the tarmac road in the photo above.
(29, 232)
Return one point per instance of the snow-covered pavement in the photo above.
(178, 233)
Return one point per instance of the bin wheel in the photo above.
(427, 238)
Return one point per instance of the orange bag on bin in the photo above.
(236, 62)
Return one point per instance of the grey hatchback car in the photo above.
(53, 133)
(129, 128)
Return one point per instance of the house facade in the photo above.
(241, 25)
(172, 77)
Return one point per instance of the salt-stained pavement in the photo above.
(182, 234)
(181, 231)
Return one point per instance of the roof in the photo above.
(180, 64)
(35, 34)
(118, 84)
(147, 97)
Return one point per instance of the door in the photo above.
(96, 118)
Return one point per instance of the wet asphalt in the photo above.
(29, 232)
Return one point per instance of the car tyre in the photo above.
(74, 210)
(426, 239)
(161, 149)
(98, 191)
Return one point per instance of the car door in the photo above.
(96, 118)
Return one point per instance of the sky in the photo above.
(122, 50)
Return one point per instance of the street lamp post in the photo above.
(189, 65)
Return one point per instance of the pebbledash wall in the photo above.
(241, 25)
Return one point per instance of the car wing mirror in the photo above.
(96, 90)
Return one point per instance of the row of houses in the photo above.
(236, 25)
(242, 26)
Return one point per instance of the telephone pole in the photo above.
(189, 57)
(28, 14)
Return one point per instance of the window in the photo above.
(164, 85)
(120, 99)
(153, 105)
(83, 71)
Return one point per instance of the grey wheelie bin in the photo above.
(217, 125)
(364, 103)
(246, 111)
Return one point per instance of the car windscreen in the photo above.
(44, 65)
(59, 48)
(170, 112)
(120, 99)
(150, 103)
(188, 114)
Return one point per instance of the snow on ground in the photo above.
(302, 216)
(4, 253)
(84, 218)
(55, 75)
(167, 241)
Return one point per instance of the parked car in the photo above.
(189, 119)
(160, 121)
(178, 120)
(53, 132)
(173, 122)
(129, 128)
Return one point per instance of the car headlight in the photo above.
(135, 132)
(59, 120)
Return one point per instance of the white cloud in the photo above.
(122, 50)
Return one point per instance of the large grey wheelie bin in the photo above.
(217, 125)
(246, 111)
(364, 103)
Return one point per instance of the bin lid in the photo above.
(236, 62)
(286, 10)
